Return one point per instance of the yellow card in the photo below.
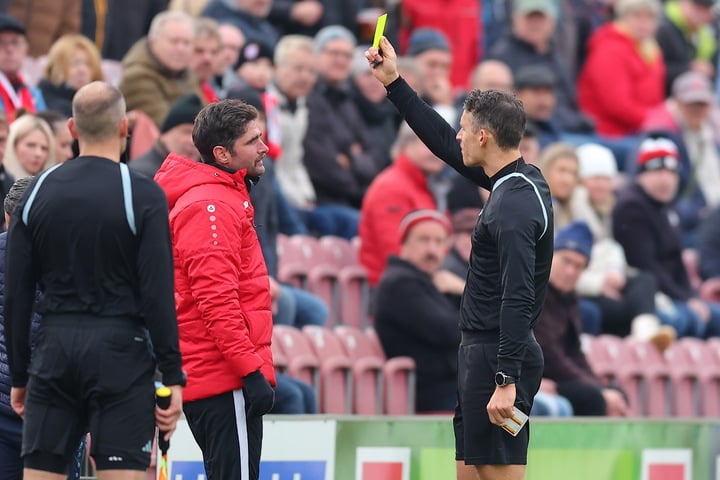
(379, 29)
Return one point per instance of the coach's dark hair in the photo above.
(499, 112)
(221, 124)
(16, 192)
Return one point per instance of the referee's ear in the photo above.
(71, 127)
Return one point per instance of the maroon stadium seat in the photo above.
(399, 379)
(368, 369)
(354, 296)
(336, 386)
(706, 365)
(302, 362)
(296, 257)
(655, 400)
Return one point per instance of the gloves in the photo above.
(259, 395)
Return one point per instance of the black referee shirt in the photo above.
(79, 248)
(512, 244)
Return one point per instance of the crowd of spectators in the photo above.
(623, 120)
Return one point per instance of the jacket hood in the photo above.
(178, 174)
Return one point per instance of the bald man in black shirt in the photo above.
(500, 363)
(95, 237)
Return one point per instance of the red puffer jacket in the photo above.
(222, 291)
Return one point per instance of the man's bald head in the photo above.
(492, 75)
(98, 110)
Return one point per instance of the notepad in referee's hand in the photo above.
(514, 424)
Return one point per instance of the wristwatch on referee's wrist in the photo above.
(502, 380)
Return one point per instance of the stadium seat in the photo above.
(354, 296)
(706, 364)
(302, 362)
(610, 360)
(336, 386)
(296, 256)
(654, 388)
(279, 358)
(368, 368)
(399, 375)
(685, 391)
(337, 251)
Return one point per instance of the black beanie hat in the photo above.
(183, 111)
(248, 95)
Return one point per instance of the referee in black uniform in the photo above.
(94, 236)
(500, 364)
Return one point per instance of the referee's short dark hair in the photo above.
(16, 192)
(221, 124)
(500, 113)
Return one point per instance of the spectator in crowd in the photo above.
(231, 41)
(535, 87)
(687, 39)
(115, 25)
(558, 331)
(30, 148)
(458, 21)
(559, 164)
(46, 21)
(492, 75)
(73, 62)
(627, 48)
(530, 145)
(380, 118)
(708, 247)
(192, 7)
(405, 186)
(175, 136)
(6, 179)
(301, 17)
(431, 51)
(692, 115)
(61, 133)
(254, 66)
(413, 317)
(530, 42)
(157, 68)
(294, 80)
(15, 93)
(206, 51)
(626, 296)
(646, 225)
(250, 16)
(339, 153)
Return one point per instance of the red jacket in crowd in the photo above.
(397, 191)
(459, 20)
(617, 86)
(222, 292)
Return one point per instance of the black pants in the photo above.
(586, 399)
(230, 440)
(638, 297)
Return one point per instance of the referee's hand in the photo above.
(501, 404)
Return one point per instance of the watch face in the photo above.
(499, 379)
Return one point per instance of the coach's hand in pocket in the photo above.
(259, 394)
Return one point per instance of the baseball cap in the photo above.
(534, 76)
(8, 23)
(548, 7)
(693, 87)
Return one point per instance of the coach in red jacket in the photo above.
(222, 291)
(398, 190)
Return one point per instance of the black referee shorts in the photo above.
(90, 374)
(477, 441)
